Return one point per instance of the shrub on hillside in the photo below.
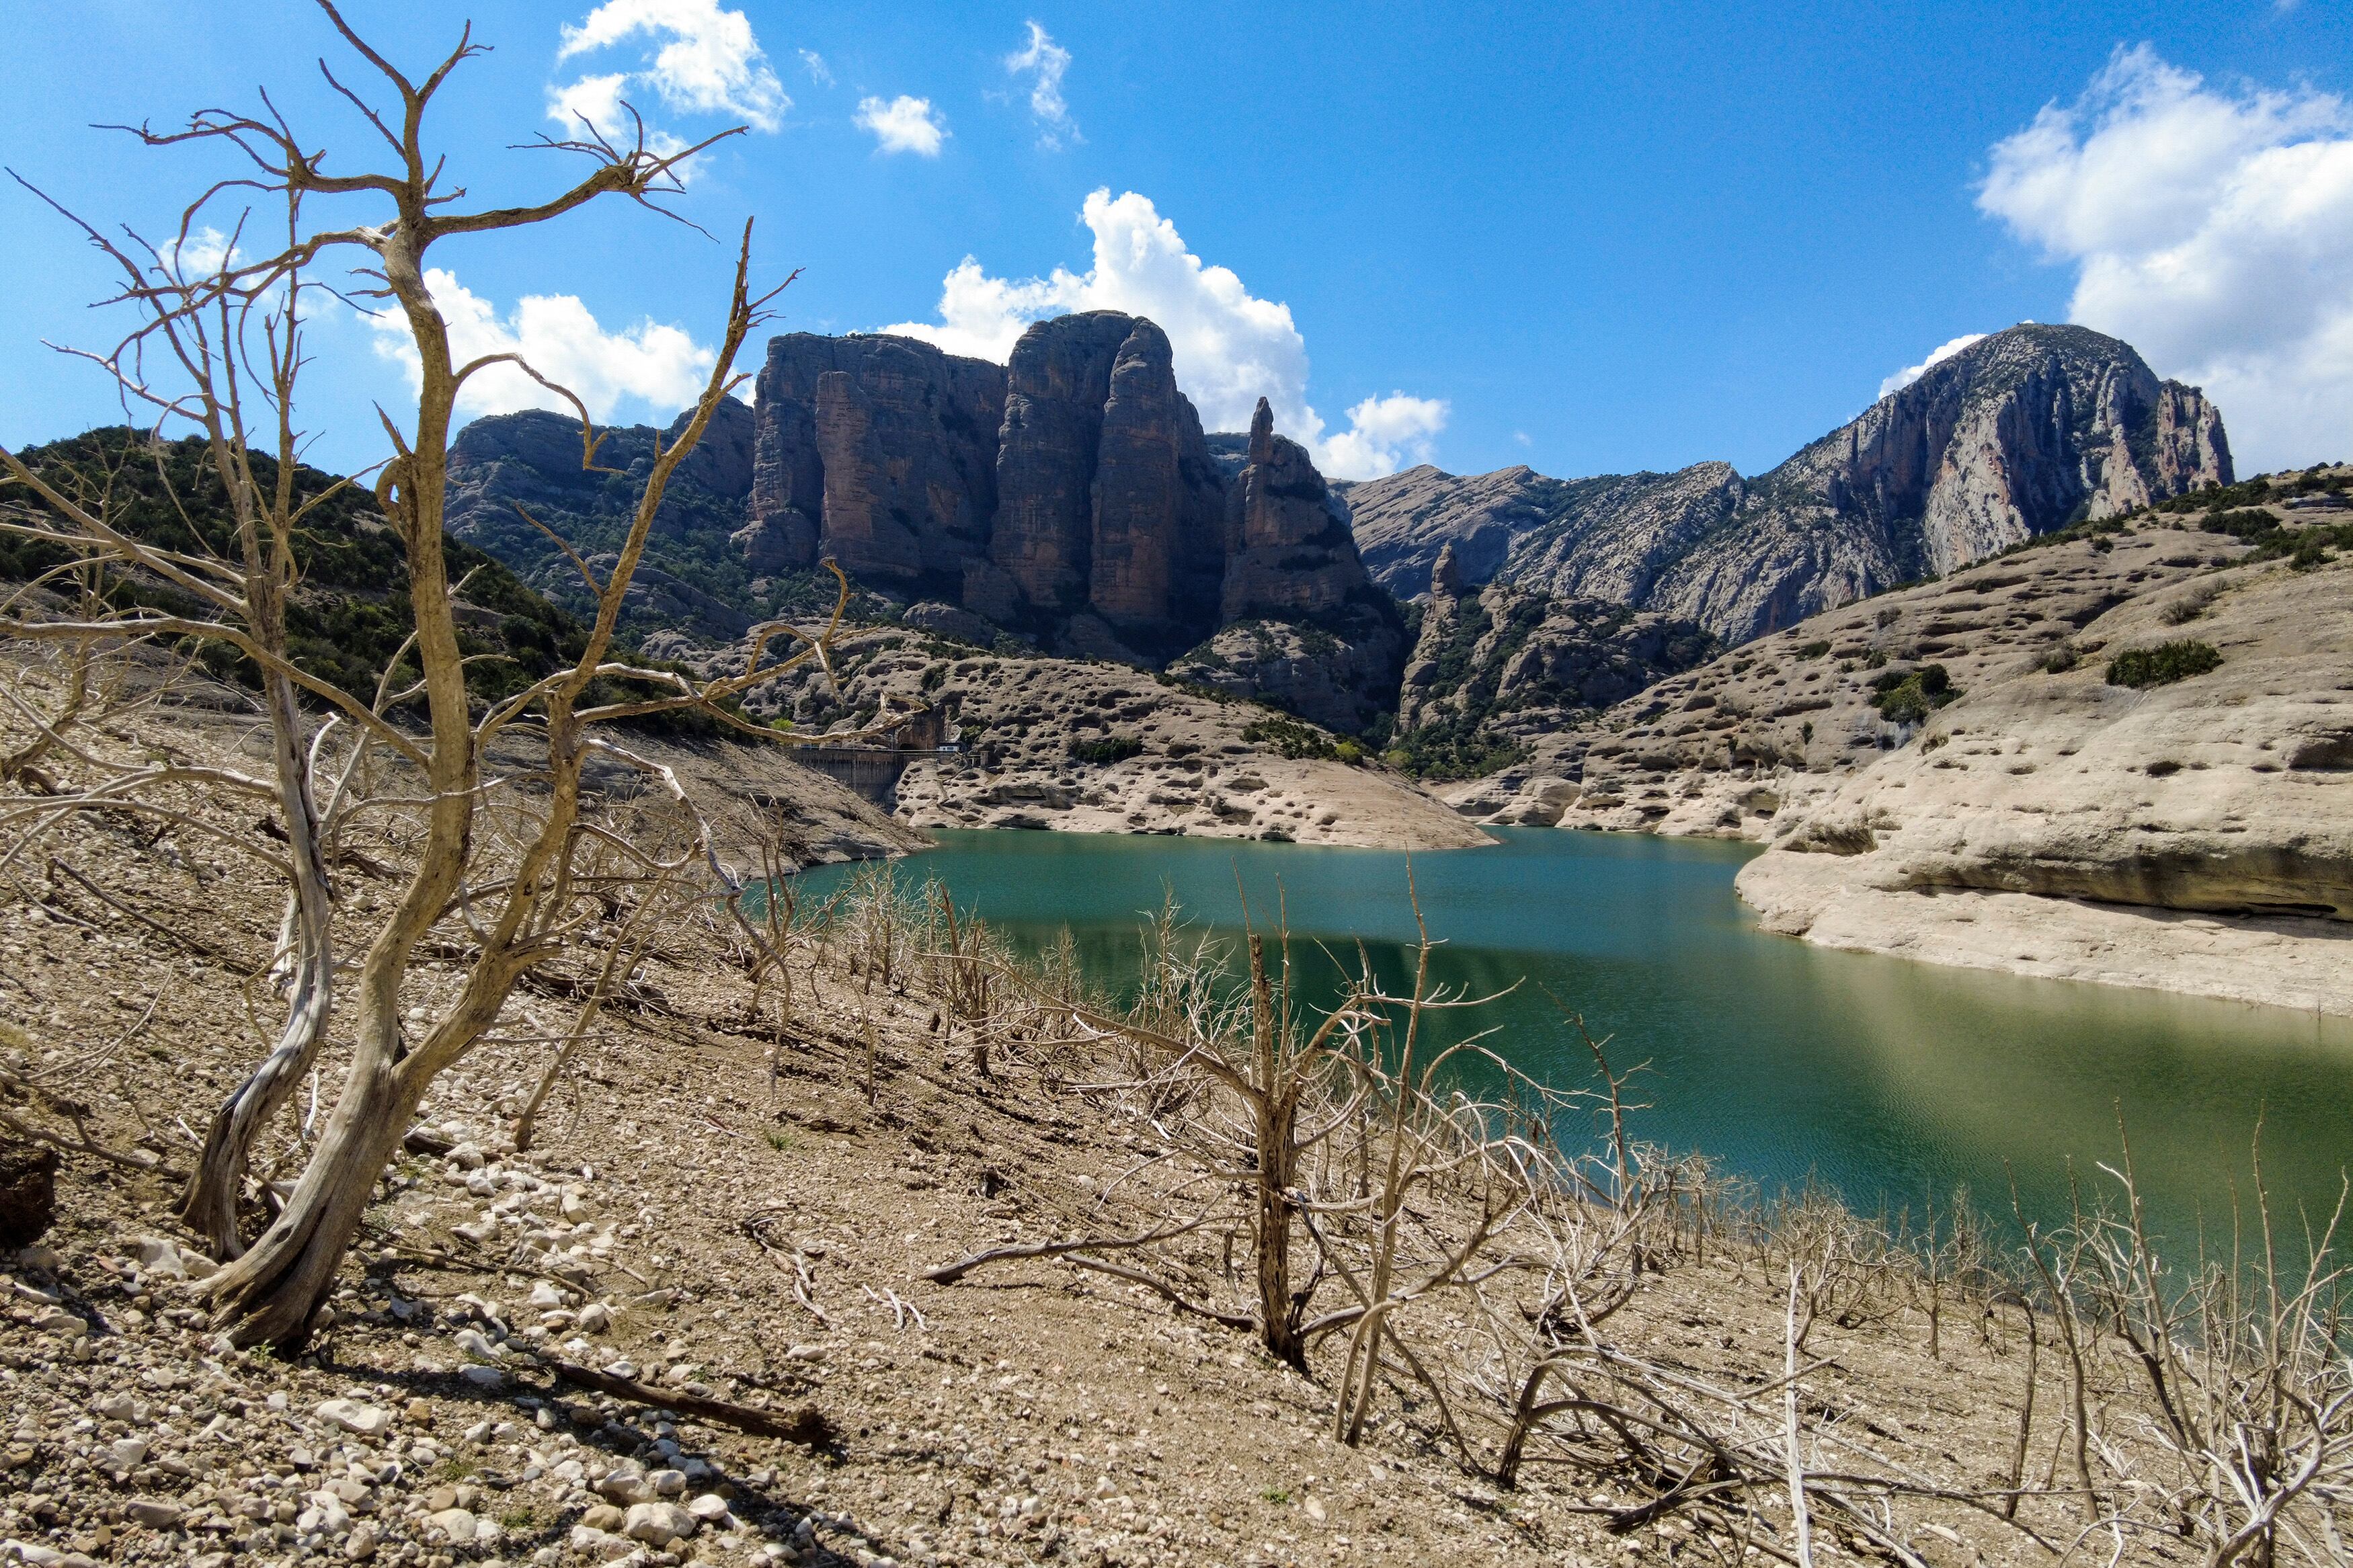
(2249, 523)
(2141, 668)
(1910, 698)
(1105, 750)
(1289, 737)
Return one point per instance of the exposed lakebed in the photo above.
(1886, 1078)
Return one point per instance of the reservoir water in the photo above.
(1884, 1078)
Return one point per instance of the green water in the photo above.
(1884, 1078)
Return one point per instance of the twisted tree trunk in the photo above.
(307, 966)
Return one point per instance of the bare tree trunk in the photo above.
(271, 1295)
(1276, 1111)
(209, 1203)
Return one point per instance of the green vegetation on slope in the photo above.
(348, 615)
(2163, 665)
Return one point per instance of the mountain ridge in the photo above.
(2019, 435)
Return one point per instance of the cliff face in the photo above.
(1498, 671)
(2015, 437)
(1299, 622)
(1069, 495)
(1157, 551)
(696, 578)
(879, 451)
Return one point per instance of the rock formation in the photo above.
(1948, 772)
(2016, 436)
(1301, 623)
(1069, 498)
(1067, 495)
(1158, 556)
(880, 452)
(695, 578)
(1498, 668)
(1090, 747)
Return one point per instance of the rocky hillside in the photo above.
(2020, 435)
(698, 1313)
(1089, 746)
(2149, 714)
(1496, 669)
(1068, 498)
(508, 469)
(345, 619)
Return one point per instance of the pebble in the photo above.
(461, 1526)
(155, 1513)
(362, 1420)
(658, 1523)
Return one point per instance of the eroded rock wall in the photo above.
(880, 451)
(2017, 436)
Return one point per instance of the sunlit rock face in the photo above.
(2018, 434)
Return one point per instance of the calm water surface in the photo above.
(1884, 1078)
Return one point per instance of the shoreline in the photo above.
(2292, 964)
(2300, 965)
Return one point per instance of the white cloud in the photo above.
(905, 124)
(204, 252)
(707, 62)
(1043, 61)
(657, 365)
(2212, 229)
(1382, 433)
(819, 72)
(1937, 355)
(1232, 348)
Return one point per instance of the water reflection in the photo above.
(1885, 1077)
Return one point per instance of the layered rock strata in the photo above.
(2017, 436)
(1950, 772)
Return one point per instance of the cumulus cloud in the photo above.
(1937, 355)
(653, 364)
(2213, 229)
(1232, 348)
(819, 72)
(701, 61)
(1043, 61)
(1382, 433)
(904, 125)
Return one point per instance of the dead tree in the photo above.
(507, 902)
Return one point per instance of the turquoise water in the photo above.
(1884, 1078)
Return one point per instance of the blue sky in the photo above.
(1587, 238)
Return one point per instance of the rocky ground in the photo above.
(718, 1209)
(1086, 746)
